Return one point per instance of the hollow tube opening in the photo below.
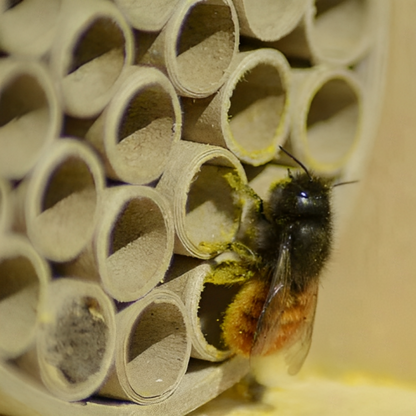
(24, 121)
(205, 46)
(212, 213)
(257, 105)
(19, 294)
(77, 342)
(332, 121)
(68, 207)
(157, 350)
(339, 26)
(145, 133)
(212, 306)
(138, 244)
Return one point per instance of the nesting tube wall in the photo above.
(332, 32)
(24, 277)
(76, 339)
(132, 244)
(327, 113)
(152, 350)
(30, 115)
(147, 15)
(249, 115)
(196, 46)
(205, 211)
(57, 204)
(92, 46)
(205, 304)
(269, 20)
(23, 33)
(135, 132)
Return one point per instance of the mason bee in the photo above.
(284, 244)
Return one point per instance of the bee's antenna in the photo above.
(297, 161)
(343, 183)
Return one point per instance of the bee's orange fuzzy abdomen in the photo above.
(241, 317)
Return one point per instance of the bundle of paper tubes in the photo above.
(118, 124)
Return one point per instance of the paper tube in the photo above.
(333, 32)
(30, 115)
(196, 46)
(269, 20)
(327, 114)
(205, 212)
(76, 339)
(132, 245)
(249, 115)
(56, 204)
(147, 15)
(28, 27)
(92, 46)
(205, 305)
(24, 276)
(152, 349)
(5, 206)
(135, 132)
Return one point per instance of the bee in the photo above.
(285, 246)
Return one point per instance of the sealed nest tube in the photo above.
(131, 133)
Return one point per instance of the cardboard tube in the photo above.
(152, 350)
(270, 20)
(76, 340)
(5, 206)
(30, 115)
(57, 204)
(205, 305)
(249, 115)
(327, 116)
(132, 245)
(196, 46)
(147, 15)
(135, 132)
(205, 212)
(28, 27)
(24, 276)
(332, 32)
(93, 44)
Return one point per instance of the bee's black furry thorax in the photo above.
(298, 209)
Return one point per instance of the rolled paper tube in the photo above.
(327, 116)
(205, 305)
(147, 15)
(132, 245)
(21, 33)
(196, 46)
(271, 19)
(92, 46)
(76, 339)
(249, 115)
(332, 32)
(197, 185)
(24, 276)
(30, 115)
(152, 349)
(5, 206)
(135, 132)
(57, 204)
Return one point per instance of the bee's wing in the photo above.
(297, 346)
(268, 323)
(296, 353)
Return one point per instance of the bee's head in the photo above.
(301, 196)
